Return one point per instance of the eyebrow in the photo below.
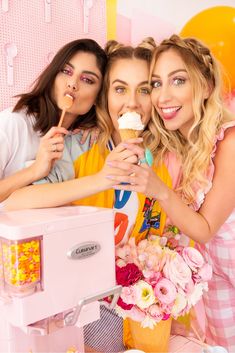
(171, 73)
(85, 71)
(125, 83)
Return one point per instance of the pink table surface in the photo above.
(184, 344)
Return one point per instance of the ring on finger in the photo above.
(142, 160)
(148, 158)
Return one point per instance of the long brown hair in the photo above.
(39, 101)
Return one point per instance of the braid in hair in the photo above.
(209, 112)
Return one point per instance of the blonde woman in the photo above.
(125, 89)
(197, 140)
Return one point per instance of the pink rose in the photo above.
(129, 295)
(205, 273)
(165, 291)
(193, 258)
(136, 314)
(128, 275)
(153, 278)
(177, 271)
(155, 312)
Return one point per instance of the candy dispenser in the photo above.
(55, 264)
(21, 265)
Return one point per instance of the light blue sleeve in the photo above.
(63, 168)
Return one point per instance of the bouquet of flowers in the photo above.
(161, 278)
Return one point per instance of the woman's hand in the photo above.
(50, 149)
(121, 154)
(140, 178)
(93, 132)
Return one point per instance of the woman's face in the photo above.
(80, 78)
(129, 91)
(172, 92)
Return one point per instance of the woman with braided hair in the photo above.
(197, 142)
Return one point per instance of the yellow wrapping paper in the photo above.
(154, 340)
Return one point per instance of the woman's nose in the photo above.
(73, 86)
(132, 101)
(164, 94)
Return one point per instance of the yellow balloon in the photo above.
(216, 28)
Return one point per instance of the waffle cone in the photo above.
(127, 134)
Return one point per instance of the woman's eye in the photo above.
(87, 80)
(66, 71)
(144, 90)
(156, 84)
(120, 90)
(179, 81)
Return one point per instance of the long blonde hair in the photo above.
(209, 114)
(116, 51)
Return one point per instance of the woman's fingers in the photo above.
(85, 134)
(94, 135)
(135, 149)
(122, 145)
(54, 131)
(128, 167)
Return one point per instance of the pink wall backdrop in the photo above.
(31, 31)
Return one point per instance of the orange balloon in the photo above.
(216, 28)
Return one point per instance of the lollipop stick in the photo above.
(66, 103)
(62, 118)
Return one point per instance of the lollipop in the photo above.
(66, 103)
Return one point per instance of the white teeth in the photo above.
(169, 110)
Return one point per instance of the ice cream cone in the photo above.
(127, 134)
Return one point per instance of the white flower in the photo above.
(179, 305)
(145, 296)
(197, 292)
(148, 322)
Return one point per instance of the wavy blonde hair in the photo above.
(209, 114)
(116, 51)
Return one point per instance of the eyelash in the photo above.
(86, 80)
(144, 90)
(66, 71)
(141, 90)
(181, 81)
(120, 90)
(83, 78)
